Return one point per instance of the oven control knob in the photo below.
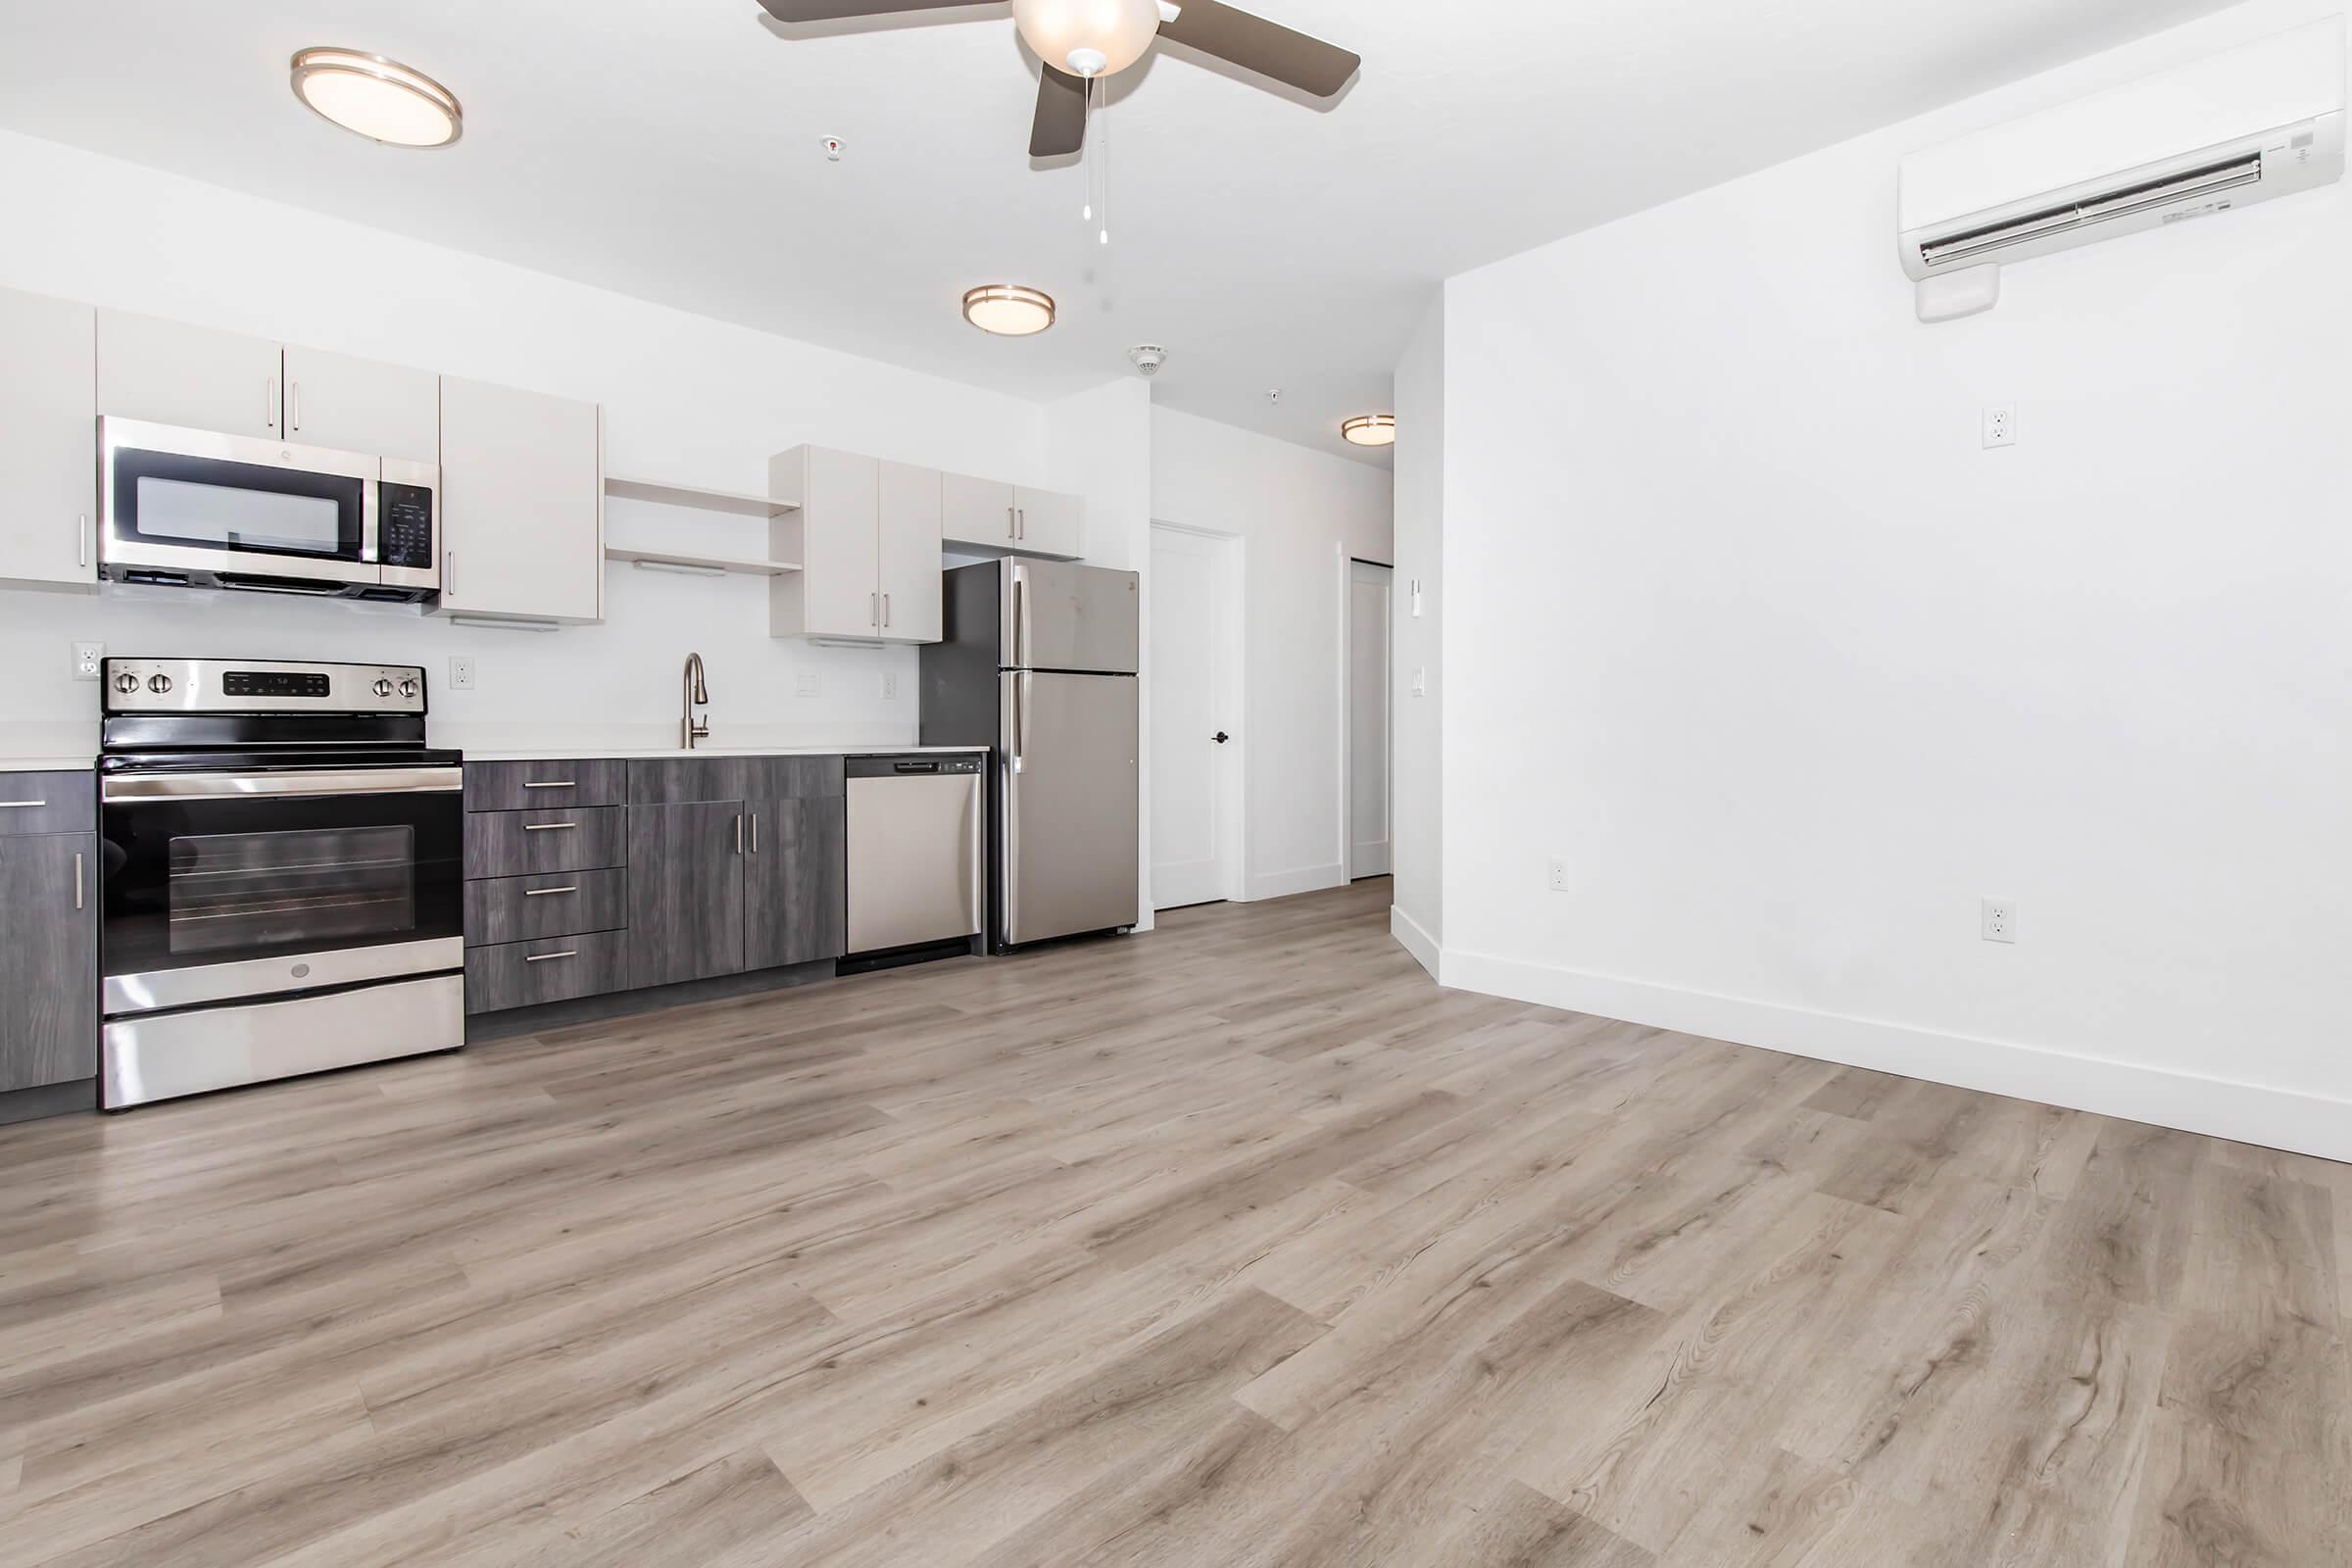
(382, 687)
(159, 684)
(408, 688)
(126, 682)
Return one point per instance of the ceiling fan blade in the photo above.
(1266, 47)
(843, 10)
(1059, 127)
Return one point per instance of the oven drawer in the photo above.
(537, 786)
(523, 974)
(48, 803)
(526, 843)
(518, 908)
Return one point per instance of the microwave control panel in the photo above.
(404, 523)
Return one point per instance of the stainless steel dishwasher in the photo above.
(916, 877)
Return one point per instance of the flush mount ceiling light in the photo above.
(1008, 310)
(1370, 429)
(379, 99)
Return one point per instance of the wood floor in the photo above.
(1240, 1243)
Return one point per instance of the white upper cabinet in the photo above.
(521, 503)
(1013, 520)
(171, 373)
(48, 443)
(353, 405)
(866, 537)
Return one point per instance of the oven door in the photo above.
(221, 885)
(193, 502)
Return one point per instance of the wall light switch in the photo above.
(460, 673)
(1421, 681)
(86, 658)
(1416, 599)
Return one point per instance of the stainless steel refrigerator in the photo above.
(1036, 662)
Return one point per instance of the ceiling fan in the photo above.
(1083, 39)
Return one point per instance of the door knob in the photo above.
(1221, 737)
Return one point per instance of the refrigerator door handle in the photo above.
(1020, 719)
(1020, 618)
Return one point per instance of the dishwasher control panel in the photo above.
(911, 766)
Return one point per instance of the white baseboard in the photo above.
(1297, 879)
(2250, 1113)
(1411, 936)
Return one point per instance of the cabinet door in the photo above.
(975, 512)
(175, 374)
(48, 441)
(839, 537)
(48, 960)
(389, 411)
(793, 908)
(685, 891)
(1046, 522)
(521, 503)
(910, 552)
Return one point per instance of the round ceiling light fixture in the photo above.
(1088, 37)
(1370, 430)
(379, 99)
(1008, 310)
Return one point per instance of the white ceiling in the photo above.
(669, 149)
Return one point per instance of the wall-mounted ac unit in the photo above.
(2240, 127)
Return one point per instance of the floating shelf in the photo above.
(736, 502)
(673, 557)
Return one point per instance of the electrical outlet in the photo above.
(1559, 876)
(2001, 424)
(87, 656)
(806, 684)
(1999, 920)
(460, 673)
(890, 685)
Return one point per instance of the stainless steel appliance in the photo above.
(197, 509)
(917, 872)
(1038, 662)
(283, 886)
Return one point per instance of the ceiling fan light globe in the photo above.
(1065, 32)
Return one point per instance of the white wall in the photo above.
(1417, 773)
(685, 397)
(1300, 515)
(1793, 673)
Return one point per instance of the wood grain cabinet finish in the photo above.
(794, 904)
(686, 867)
(48, 958)
(48, 803)
(522, 909)
(525, 974)
(674, 781)
(526, 843)
(537, 786)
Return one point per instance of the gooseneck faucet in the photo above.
(689, 731)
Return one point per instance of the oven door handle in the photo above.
(246, 786)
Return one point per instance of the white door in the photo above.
(354, 405)
(910, 552)
(1368, 589)
(48, 442)
(1194, 671)
(172, 372)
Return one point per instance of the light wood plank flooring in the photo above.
(1240, 1243)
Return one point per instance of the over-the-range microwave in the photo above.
(199, 508)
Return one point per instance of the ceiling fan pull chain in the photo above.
(1106, 155)
(1086, 156)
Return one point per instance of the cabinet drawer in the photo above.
(537, 786)
(526, 843)
(522, 974)
(48, 803)
(790, 778)
(684, 781)
(522, 909)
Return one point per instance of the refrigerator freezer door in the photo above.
(1069, 803)
(1058, 616)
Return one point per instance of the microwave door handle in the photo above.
(370, 522)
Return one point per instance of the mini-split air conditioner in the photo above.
(2240, 127)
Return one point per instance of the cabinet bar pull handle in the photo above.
(449, 571)
(6, 804)
(1009, 525)
(543, 958)
(873, 615)
(754, 832)
(551, 784)
(1023, 532)
(269, 402)
(81, 540)
(738, 832)
(546, 827)
(541, 893)
(886, 609)
(294, 397)
(77, 881)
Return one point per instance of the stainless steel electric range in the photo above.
(283, 888)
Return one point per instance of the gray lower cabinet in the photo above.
(526, 843)
(793, 909)
(519, 908)
(48, 955)
(525, 974)
(540, 786)
(686, 877)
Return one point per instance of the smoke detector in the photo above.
(1147, 357)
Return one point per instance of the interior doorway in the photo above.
(1369, 609)
(1197, 721)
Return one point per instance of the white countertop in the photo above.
(591, 753)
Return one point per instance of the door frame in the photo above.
(1233, 819)
(1346, 781)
